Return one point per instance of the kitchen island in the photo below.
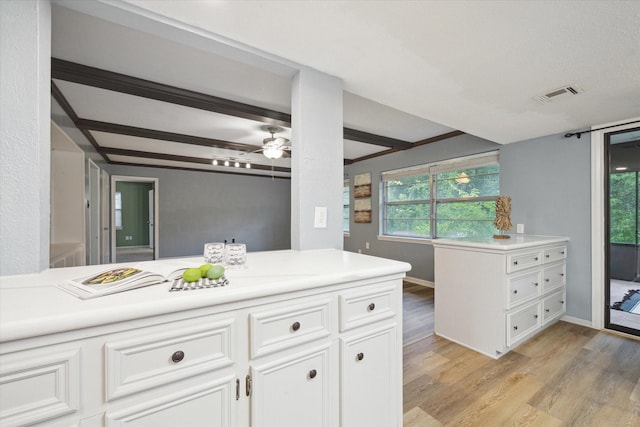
(296, 338)
(493, 294)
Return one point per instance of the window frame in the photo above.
(431, 171)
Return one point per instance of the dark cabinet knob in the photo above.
(313, 373)
(295, 326)
(535, 259)
(515, 262)
(535, 316)
(546, 280)
(548, 256)
(515, 327)
(371, 307)
(546, 309)
(177, 356)
(360, 356)
(535, 284)
(561, 302)
(515, 291)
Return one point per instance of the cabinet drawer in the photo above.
(522, 322)
(553, 307)
(362, 308)
(555, 254)
(523, 260)
(37, 386)
(278, 329)
(553, 277)
(523, 288)
(163, 354)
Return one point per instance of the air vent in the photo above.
(558, 93)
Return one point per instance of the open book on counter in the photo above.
(124, 278)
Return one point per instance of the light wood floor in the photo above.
(417, 312)
(568, 375)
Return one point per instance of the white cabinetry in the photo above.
(319, 356)
(493, 294)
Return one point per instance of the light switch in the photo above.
(519, 228)
(320, 220)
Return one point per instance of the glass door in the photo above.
(622, 231)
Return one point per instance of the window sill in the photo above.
(398, 239)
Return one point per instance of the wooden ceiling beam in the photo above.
(370, 138)
(185, 159)
(98, 126)
(96, 77)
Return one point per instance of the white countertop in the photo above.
(31, 305)
(516, 241)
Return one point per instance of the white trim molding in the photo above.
(418, 240)
(598, 245)
(420, 282)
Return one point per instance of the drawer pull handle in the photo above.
(247, 385)
(546, 280)
(515, 262)
(535, 316)
(295, 326)
(360, 356)
(371, 307)
(313, 373)
(546, 309)
(548, 256)
(237, 388)
(561, 302)
(177, 356)
(561, 274)
(562, 253)
(515, 327)
(535, 284)
(515, 291)
(535, 259)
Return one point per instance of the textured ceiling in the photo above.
(476, 66)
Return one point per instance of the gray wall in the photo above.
(548, 180)
(420, 256)
(200, 207)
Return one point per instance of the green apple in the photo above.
(215, 272)
(192, 275)
(204, 268)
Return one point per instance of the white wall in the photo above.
(25, 74)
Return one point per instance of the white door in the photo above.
(93, 214)
(151, 218)
(105, 222)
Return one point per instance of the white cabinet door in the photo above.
(210, 404)
(369, 378)
(293, 391)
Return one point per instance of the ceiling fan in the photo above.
(274, 146)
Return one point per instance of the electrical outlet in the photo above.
(366, 245)
(519, 228)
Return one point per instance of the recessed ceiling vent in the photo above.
(559, 93)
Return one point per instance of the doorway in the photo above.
(622, 231)
(135, 222)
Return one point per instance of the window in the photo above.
(118, 210)
(624, 212)
(455, 198)
(345, 206)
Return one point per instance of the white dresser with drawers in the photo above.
(493, 294)
(311, 338)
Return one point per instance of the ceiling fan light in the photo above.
(273, 152)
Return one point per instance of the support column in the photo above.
(317, 160)
(25, 116)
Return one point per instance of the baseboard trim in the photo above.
(420, 282)
(577, 321)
